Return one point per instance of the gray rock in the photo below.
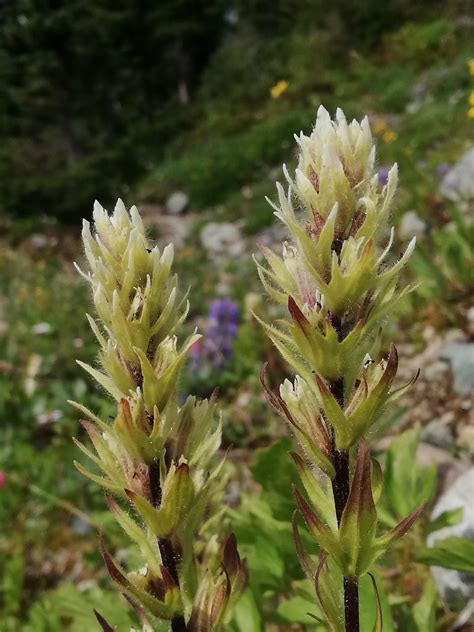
(79, 526)
(458, 183)
(449, 468)
(417, 94)
(438, 433)
(460, 355)
(436, 371)
(222, 237)
(453, 586)
(411, 225)
(177, 203)
(167, 227)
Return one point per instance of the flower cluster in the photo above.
(383, 176)
(156, 456)
(216, 346)
(279, 88)
(442, 169)
(336, 283)
(470, 111)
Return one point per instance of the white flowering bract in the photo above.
(335, 266)
(336, 163)
(156, 455)
(136, 298)
(334, 279)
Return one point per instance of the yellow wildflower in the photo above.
(470, 65)
(278, 89)
(379, 126)
(471, 98)
(389, 136)
(470, 112)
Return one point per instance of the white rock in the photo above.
(454, 335)
(177, 203)
(458, 183)
(222, 237)
(411, 225)
(41, 328)
(247, 192)
(429, 332)
(454, 586)
(39, 240)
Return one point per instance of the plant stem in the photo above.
(351, 605)
(340, 483)
(165, 545)
(340, 486)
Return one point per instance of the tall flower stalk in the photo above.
(157, 458)
(335, 282)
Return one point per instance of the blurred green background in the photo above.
(187, 109)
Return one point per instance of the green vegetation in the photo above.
(102, 99)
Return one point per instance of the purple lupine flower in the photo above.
(383, 176)
(223, 324)
(442, 169)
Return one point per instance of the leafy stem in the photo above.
(340, 485)
(165, 545)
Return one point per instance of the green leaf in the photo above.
(255, 516)
(295, 610)
(274, 469)
(335, 415)
(359, 518)
(378, 625)
(399, 530)
(103, 380)
(377, 479)
(453, 552)
(445, 519)
(319, 530)
(246, 616)
(75, 610)
(400, 474)
(328, 585)
(320, 493)
(265, 565)
(178, 494)
(424, 611)
(406, 483)
(368, 604)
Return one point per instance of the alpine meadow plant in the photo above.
(223, 319)
(337, 286)
(157, 458)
